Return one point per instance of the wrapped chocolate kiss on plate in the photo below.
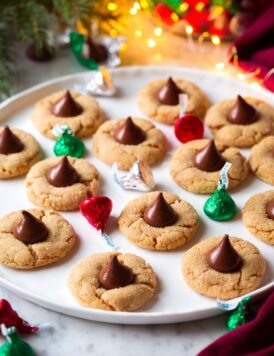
(139, 177)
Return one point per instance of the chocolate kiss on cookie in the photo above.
(169, 93)
(9, 142)
(29, 229)
(115, 275)
(93, 50)
(270, 209)
(62, 174)
(224, 258)
(242, 113)
(159, 213)
(66, 106)
(129, 133)
(208, 158)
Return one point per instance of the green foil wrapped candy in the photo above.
(14, 346)
(241, 315)
(220, 206)
(69, 145)
(76, 44)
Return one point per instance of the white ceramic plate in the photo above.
(174, 301)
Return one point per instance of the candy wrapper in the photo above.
(14, 346)
(241, 315)
(139, 177)
(67, 144)
(97, 211)
(220, 206)
(9, 317)
(187, 127)
(110, 44)
(99, 84)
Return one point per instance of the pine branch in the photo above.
(69, 10)
(6, 79)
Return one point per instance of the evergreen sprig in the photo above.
(30, 20)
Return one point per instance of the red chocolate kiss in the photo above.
(224, 258)
(242, 113)
(129, 133)
(66, 106)
(95, 51)
(169, 93)
(160, 213)
(208, 158)
(9, 142)
(29, 229)
(270, 209)
(115, 275)
(62, 174)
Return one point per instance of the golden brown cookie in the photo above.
(211, 283)
(16, 254)
(256, 217)
(84, 283)
(42, 193)
(16, 164)
(151, 150)
(82, 125)
(138, 231)
(261, 160)
(227, 134)
(150, 105)
(187, 176)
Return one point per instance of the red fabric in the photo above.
(255, 47)
(255, 338)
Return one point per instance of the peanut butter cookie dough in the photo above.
(112, 281)
(18, 152)
(165, 108)
(158, 221)
(62, 183)
(261, 160)
(34, 238)
(195, 178)
(81, 113)
(258, 216)
(126, 140)
(240, 122)
(245, 275)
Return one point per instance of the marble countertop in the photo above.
(71, 336)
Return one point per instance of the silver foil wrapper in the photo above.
(99, 84)
(139, 177)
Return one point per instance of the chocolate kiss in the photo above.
(242, 113)
(9, 142)
(270, 209)
(208, 158)
(62, 174)
(95, 51)
(160, 213)
(129, 133)
(67, 106)
(30, 229)
(224, 258)
(169, 93)
(114, 274)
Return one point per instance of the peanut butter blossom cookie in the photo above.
(34, 238)
(62, 183)
(159, 99)
(126, 140)
(258, 216)
(158, 221)
(196, 166)
(112, 281)
(18, 152)
(81, 113)
(240, 122)
(261, 160)
(223, 267)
